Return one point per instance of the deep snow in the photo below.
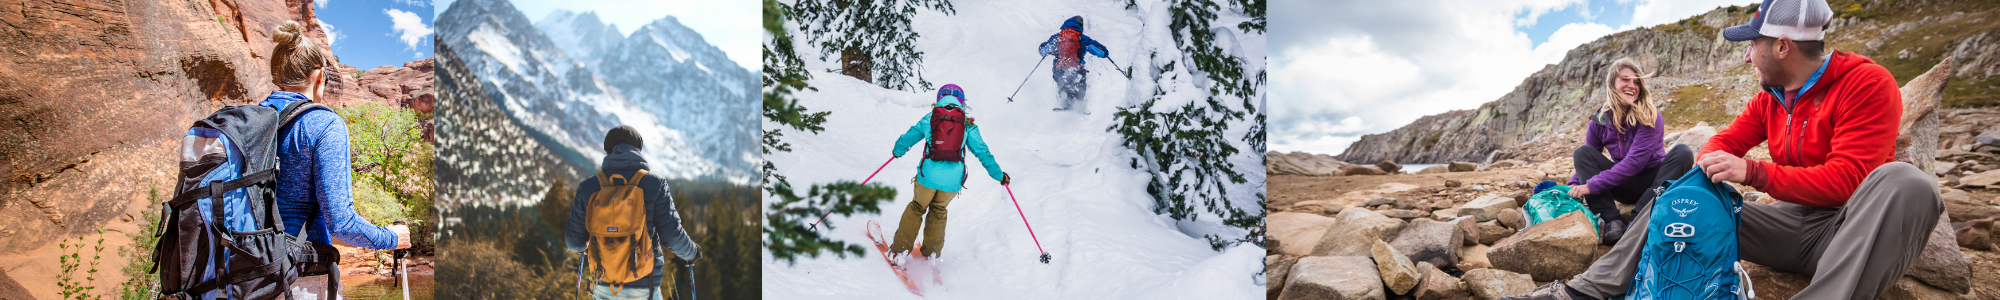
(1088, 207)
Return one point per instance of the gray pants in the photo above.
(1851, 252)
(1070, 86)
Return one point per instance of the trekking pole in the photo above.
(1024, 80)
(871, 176)
(1114, 64)
(581, 258)
(1024, 221)
(691, 287)
(402, 269)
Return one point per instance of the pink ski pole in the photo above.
(1024, 221)
(871, 176)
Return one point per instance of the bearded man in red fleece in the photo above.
(1846, 215)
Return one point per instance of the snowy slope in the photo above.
(1074, 181)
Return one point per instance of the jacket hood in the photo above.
(1839, 65)
(1073, 23)
(624, 157)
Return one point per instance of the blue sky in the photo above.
(1347, 68)
(372, 33)
(731, 25)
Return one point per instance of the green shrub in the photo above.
(141, 283)
(390, 153)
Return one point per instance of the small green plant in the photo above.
(140, 284)
(72, 261)
(221, 20)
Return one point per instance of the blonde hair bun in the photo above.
(295, 56)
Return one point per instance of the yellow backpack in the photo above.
(620, 243)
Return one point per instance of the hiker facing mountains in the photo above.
(1630, 127)
(948, 132)
(1846, 215)
(621, 218)
(1069, 45)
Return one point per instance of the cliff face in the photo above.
(95, 94)
(1699, 78)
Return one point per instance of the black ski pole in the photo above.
(1114, 64)
(1024, 80)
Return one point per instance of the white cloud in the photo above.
(331, 34)
(408, 27)
(1374, 76)
(1656, 12)
(321, 3)
(1378, 65)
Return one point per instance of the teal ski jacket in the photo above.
(946, 176)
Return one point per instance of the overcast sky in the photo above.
(728, 24)
(1347, 68)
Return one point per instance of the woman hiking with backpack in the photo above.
(1630, 127)
(948, 134)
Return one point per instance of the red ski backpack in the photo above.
(948, 125)
(1069, 49)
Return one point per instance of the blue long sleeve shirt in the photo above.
(946, 176)
(316, 180)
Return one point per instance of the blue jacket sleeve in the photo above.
(916, 134)
(1049, 47)
(335, 186)
(667, 222)
(1091, 46)
(573, 234)
(978, 146)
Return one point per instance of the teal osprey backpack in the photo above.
(1690, 249)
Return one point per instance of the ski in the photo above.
(874, 232)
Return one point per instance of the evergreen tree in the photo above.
(786, 232)
(1185, 147)
(873, 35)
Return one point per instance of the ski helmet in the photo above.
(1074, 22)
(952, 90)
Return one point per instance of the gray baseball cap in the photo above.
(1800, 20)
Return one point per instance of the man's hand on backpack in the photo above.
(402, 236)
(1722, 166)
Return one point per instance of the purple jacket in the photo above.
(1634, 150)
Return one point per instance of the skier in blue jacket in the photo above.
(1069, 45)
(942, 172)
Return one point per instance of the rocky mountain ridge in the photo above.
(1700, 78)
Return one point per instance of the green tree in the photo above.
(878, 31)
(390, 152)
(785, 230)
(1185, 147)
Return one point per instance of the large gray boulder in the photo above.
(1695, 137)
(1437, 285)
(1355, 231)
(1301, 163)
(1333, 277)
(1297, 233)
(1430, 241)
(1491, 202)
(1492, 283)
(1461, 166)
(1491, 232)
(1396, 270)
(1983, 179)
(1552, 250)
(1276, 269)
(1942, 264)
(1907, 288)
(1917, 141)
